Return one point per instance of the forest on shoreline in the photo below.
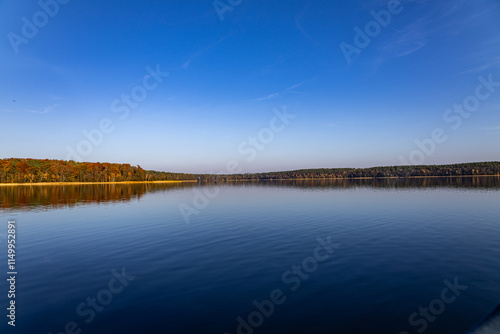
(464, 169)
(35, 171)
(15, 170)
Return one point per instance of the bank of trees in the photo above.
(477, 168)
(35, 170)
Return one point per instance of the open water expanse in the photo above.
(360, 256)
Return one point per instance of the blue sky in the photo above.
(232, 65)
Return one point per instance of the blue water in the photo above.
(392, 249)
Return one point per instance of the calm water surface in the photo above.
(389, 248)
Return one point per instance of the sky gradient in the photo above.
(190, 86)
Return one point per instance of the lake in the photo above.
(327, 256)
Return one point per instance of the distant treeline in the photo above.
(35, 170)
(476, 168)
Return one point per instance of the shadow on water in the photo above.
(46, 197)
(477, 182)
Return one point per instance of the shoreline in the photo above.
(84, 183)
(242, 180)
(362, 178)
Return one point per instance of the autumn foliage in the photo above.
(35, 170)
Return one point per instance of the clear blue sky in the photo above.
(232, 66)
